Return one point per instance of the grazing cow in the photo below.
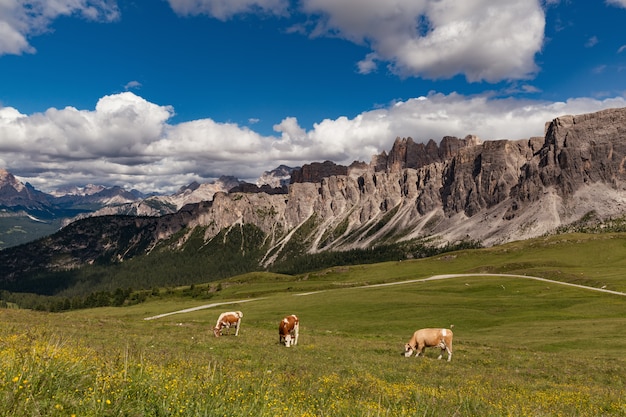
(228, 320)
(423, 338)
(288, 330)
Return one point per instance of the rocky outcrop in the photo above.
(405, 153)
(316, 171)
(246, 187)
(578, 152)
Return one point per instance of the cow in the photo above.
(423, 338)
(228, 320)
(288, 330)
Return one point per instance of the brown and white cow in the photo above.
(288, 330)
(423, 338)
(228, 320)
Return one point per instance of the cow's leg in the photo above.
(297, 333)
(237, 327)
(442, 345)
(449, 353)
(420, 350)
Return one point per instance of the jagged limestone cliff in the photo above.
(493, 192)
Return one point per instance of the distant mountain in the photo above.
(159, 205)
(276, 178)
(27, 214)
(456, 191)
(88, 189)
(15, 196)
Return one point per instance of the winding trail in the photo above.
(389, 284)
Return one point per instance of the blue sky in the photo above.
(155, 94)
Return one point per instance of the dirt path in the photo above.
(448, 276)
(202, 307)
(433, 278)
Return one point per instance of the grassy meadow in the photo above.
(521, 347)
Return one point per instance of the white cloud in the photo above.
(368, 64)
(225, 9)
(20, 19)
(618, 3)
(482, 39)
(131, 85)
(291, 131)
(12, 41)
(129, 141)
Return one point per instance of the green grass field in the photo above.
(521, 347)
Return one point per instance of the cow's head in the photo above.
(408, 350)
(216, 331)
(288, 340)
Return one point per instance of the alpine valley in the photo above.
(407, 202)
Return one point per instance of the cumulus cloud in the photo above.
(226, 9)
(20, 19)
(437, 39)
(128, 141)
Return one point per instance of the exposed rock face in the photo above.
(315, 171)
(15, 194)
(246, 187)
(405, 153)
(492, 192)
(578, 151)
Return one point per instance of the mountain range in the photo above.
(460, 189)
(27, 214)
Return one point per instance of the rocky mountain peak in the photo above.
(8, 180)
(406, 153)
(277, 177)
(14, 193)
